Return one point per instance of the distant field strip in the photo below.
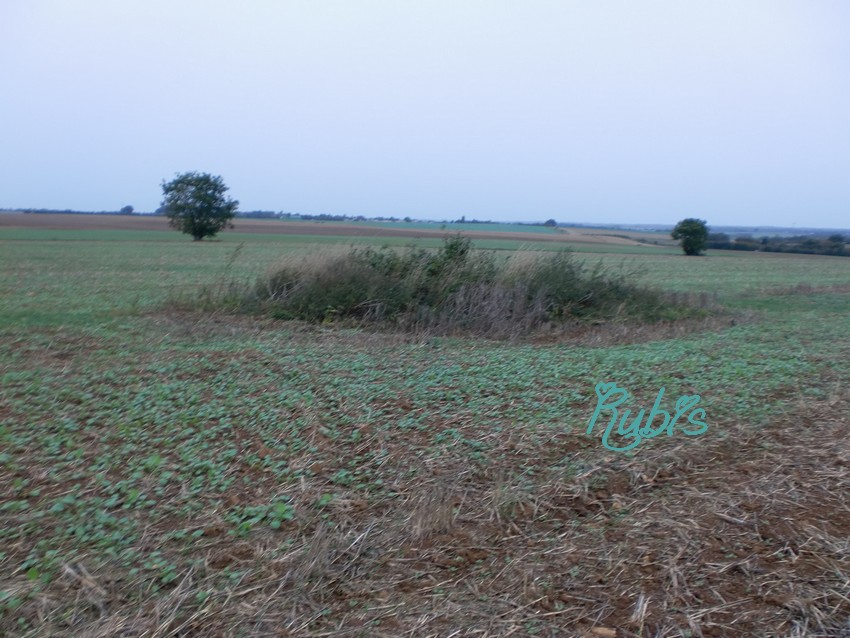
(411, 230)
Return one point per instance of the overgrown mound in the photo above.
(456, 290)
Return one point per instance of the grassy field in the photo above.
(167, 473)
(491, 236)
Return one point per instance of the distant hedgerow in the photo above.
(454, 290)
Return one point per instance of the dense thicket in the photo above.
(455, 290)
(804, 244)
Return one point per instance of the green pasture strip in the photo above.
(730, 274)
(577, 246)
(170, 236)
(86, 234)
(49, 282)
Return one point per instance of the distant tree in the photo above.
(127, 210)
(693, 235)
(550, 223)
(195, 204)
(837, 238)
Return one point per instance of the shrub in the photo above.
(454, 290)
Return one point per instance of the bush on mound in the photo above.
(456, 290)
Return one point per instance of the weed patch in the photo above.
(453, 291)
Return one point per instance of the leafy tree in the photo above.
(195, 204)
(551, 223)
(126, 210)
(693, 235)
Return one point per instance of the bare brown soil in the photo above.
(139, 222)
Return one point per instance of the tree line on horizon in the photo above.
(835, 244)
(694, 238)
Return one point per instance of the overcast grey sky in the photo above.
(735, 111)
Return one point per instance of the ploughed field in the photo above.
(166, 472)
(374, 230)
